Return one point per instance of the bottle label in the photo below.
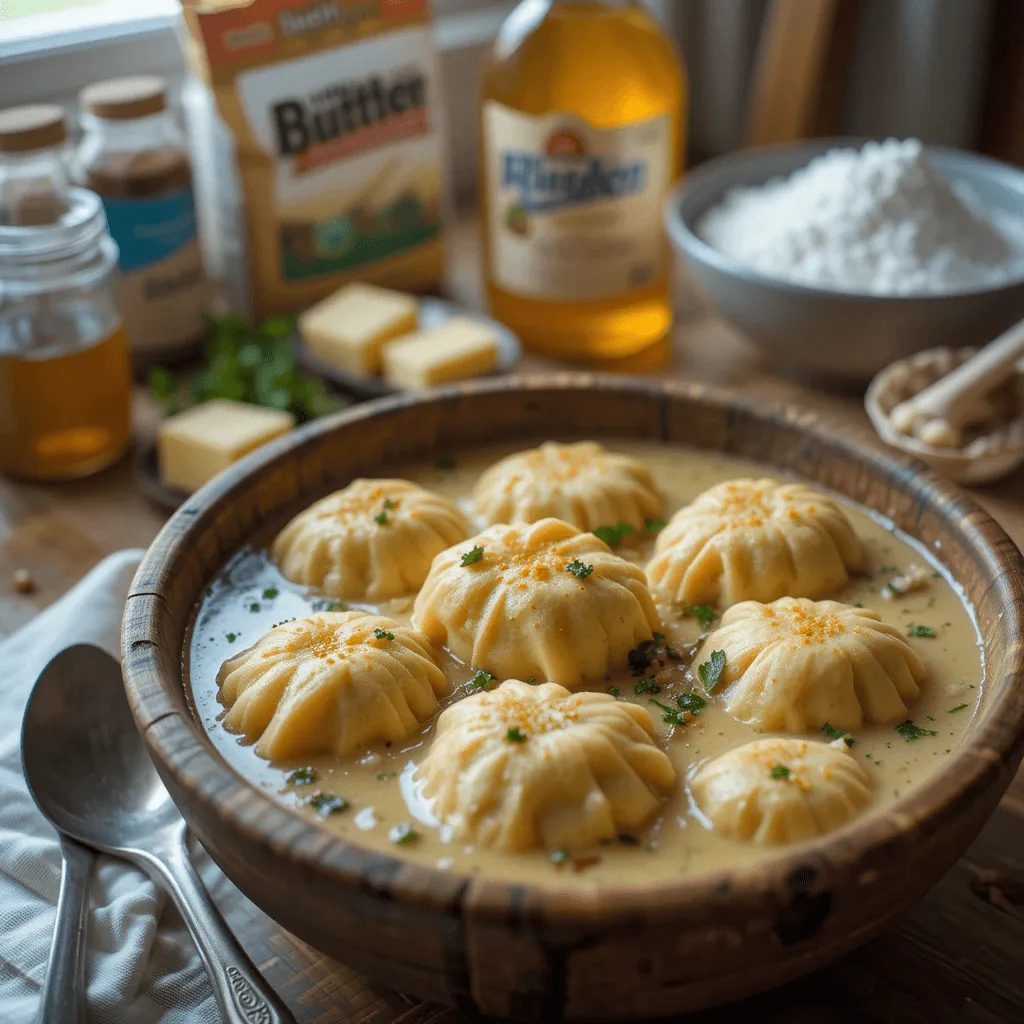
(162, 288)
(574, 211)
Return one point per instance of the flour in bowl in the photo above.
(880, 220)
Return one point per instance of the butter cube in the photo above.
(196, 445)
(349, 328)
(459, 348)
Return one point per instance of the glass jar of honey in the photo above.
(65, 384)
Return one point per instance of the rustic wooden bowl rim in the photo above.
(182, 748)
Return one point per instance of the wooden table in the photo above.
(959, 956)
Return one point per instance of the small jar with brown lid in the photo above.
(135, 158)
(33, 168)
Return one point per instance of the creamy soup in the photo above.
(383, 805)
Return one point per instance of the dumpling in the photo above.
(330, 684)
(372, 541)
(583, 484)
(526, 766)
(536, 600)
(794, 665)
(754, 540)
(777, 790)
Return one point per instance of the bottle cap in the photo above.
(123, 99)
(24, 129)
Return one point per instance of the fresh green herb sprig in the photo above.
(472, 556)
(648, 685)
(833, 732)
(703, 613)
(579, 569)
(612, 535)
(480, 681)
(515, 735)
(958, 708)
(383, 634)
(403, 835)
(655, 525)
(910, 732)
(922, 631)
(781, 772)
(302, 777)
(326, 804)
(710, 671)
(247, 363)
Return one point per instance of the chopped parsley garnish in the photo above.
(302, 777)
(671, 716)
(703, 613)
(911, 732)
(559, 857)
(383, 634)
(613, 690)
(710, 671)
(924, 631)
(472, 556)
(403, 835)
(857, 604)
(336, 606)
(780, 771)
(613, 535)
(648, 685)
(654, 525)
(691, 701)
(959, 707)
(270, 593)
(833, 732)
(231, 637)
(255, 606)
(326, 804)
(381, 518)
(532, 682)
(384, 776)
(515, 735)
(388, 503)
(579, 569)
(642, 656)
(480, 681)
(445, 462)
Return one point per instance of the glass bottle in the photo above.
(65, 383)
(582, 134)
(134, 156)
(33, 168)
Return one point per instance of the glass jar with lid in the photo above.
(65, 382)
(33, 167)
(134, 156)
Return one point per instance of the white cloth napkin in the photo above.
(142, 966)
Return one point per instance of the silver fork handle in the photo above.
(62, 999)
(241, 993)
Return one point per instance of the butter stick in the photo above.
(457, 349)
(349, 328)
(196, 445)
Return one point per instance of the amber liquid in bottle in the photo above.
(602, 66)
(67, 415)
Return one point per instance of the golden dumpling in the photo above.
(526, 766)
(330, 684)
(754, 540)
(536, 600)
(583, 484)
(794, 665)
(777, 790)
(372, 541)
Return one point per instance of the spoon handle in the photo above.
(62, 1000)
(241, 993)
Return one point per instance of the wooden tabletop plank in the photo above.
(958, 956)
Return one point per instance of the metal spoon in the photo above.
(92, 777)
(62, 999)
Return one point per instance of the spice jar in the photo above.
(135, 158)
(65, 381)
(33, 171)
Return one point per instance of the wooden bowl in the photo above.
(543, 952)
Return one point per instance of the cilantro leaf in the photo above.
(671, 716)
(835, 733)
(326, 804)
(648, 685)
(910, 732)
(579, 569)
(302, 777)
(515, 735)
(691, 701)
(472, 556)
(654, 525)
(780, 771)
(480, 681)
(383, 634)
(703, 613)
(613, 535)
(923, 631)
(403, 835)
(710, 671)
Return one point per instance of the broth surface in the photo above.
(250, 596)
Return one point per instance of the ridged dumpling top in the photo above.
(754, 540)
(330, 684)
(778, 790)
(372, 541)
(793, 665)
(536, 600)
(583, 484)
(523, 766)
